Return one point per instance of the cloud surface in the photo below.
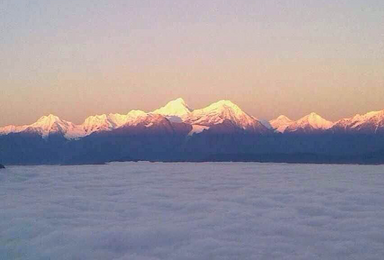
(220, 211)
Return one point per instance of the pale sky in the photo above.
(80, 58)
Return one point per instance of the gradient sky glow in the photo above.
(80, 58)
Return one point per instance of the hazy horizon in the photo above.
(76, 59)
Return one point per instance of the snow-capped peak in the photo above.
(223, 105)
(136, 113)
(370, 122)
(222, 110)
(135, 116)
(316, 121)
(46, 121)
(368, 116)
(96, 123)
(280, 123)
(118, 120)
(109, 122)
(309, 123)
(45, 126)
(96, 118)
(52, 124)
(283, 118)
(176, 107)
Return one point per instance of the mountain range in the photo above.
(178, 111)
(175, 132)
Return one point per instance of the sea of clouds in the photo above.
(192, 211)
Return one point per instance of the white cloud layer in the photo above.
(151, 211)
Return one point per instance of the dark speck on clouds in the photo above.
(151, 211)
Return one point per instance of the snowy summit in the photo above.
(281, 123)
(310, 123)
(370, 123)
(176, 107)
(224, 110)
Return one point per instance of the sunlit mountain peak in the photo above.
(176, 107)
(281, 123)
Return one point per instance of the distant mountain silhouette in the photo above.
(175, 132)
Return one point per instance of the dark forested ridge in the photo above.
(171, 143)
